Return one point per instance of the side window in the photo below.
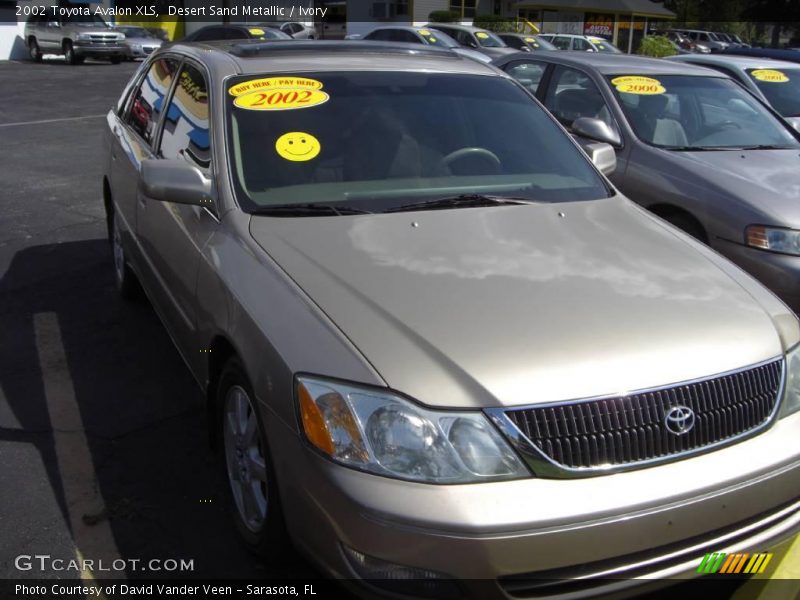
(382, 35)
(148, 98)
(528, 73)
(513, 42)
(561, 42)
(581, 45)
(295, 28)
(572, 94)
(212, 33)
(406, 36)
(186, 128)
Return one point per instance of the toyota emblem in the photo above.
(679, 420)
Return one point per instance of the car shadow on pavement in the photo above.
(140, 408)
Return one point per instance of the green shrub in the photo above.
(656, 46)
(444, 16)
(494, 23)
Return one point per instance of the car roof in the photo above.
(455, 26)
(295, 56)
(403, 27)
(611, 64)
(742, 62)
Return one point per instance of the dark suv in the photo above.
(74, 36)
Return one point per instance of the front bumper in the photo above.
(499, 539)
(779, 272)
(102, 50)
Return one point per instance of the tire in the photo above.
(69, 54)
(115, 60)
(127, 284)
(35, 50)
(251, 490)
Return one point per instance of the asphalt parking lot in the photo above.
(103, 449)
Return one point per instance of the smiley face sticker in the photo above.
(297, 146)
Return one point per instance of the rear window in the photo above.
(378, 140)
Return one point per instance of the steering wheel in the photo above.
(727, 124)
(483, 153)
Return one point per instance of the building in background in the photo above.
(624, 22)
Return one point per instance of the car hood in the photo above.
(503, 306)
(766, 180)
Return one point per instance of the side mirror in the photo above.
(175, 181)
(596, 130)
(472, 44)
(602, 155)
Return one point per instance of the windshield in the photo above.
(684, 112)
(378, 140)
(781, 87)
(134, 32)
(438, 38)
(489, 40)
(84, 20)
(543, 43)
(603, 45)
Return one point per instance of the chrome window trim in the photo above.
(543, 466)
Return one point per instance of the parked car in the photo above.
(707, 38)
(235, 31)
(683, 41)
(77, 37)
(526, 42)
(692, 146)
(475, 38)
(580, 43)
(414, 325)
(298, 31)
(776, 82)
(139, 41)
(422, 35)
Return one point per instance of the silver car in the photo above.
(139, 41)
(474, 38)
(75, 36)
(776, 82)
(692, 146)
(422, 35)
(442, 353)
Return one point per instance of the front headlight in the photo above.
(380, 432)
(791, 392)
(774, 239)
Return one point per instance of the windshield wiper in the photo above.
(462, 201)
(694, 148)
(308, 209)
(764, 147)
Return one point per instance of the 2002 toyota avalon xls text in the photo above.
(438, 345)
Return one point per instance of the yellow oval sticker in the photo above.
(481, 35)
(268, 83)
(281, 99)
(432, 39)
(530, 40)
(256, 31)
(424, 32)
(770, 75)
(633, 84)
(297, 146)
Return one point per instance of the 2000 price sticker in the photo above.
(281, 99)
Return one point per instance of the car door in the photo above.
(173, 235)
(582, 45)
(572, 94)
(133, 132)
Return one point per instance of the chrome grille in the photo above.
(630, 429)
